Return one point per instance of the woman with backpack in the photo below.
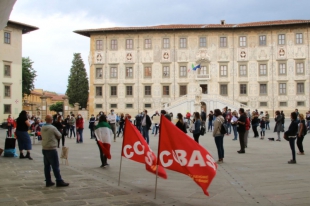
(218, 136)
(302, 131)
(196, 131)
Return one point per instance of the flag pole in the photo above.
(157, 163)
(120, 164)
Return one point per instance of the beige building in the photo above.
(258, 65)
(11, 68)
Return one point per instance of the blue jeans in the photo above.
(267, 125)
(50, 158)
(235, 132)
(145, 133)
(292, 145)
(228, 128)
(80, 131)
(219, 141)
(72, 129)
(209, 125)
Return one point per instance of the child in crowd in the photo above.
(263, 128)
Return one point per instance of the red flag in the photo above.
(136, 149)
(180, 153)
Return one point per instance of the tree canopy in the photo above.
(57, 107)
(28, 76)
(78, 88)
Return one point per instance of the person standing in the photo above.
(302, 130)
(228, 121)
(79, 129)
(23, 139)
(91, 126)
(247, 129)
(50, 135)
(112, 121)
(278, 127)
(291, 135)
(121, 124)
(72, 125)
(155, 126)
(146, 125)
(241, 130)
(218, 136)
(138, 119)
(10, 125)
(58, 124)
(210, 121)
(262, 128)
(203, 118)
(196, 131)
(283, 120)
(234, 124)
(267, 118)
(181, 124)
(255, 124)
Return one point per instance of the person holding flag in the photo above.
(103, 134)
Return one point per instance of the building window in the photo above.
(147, 43)
(98, 91)
(183, 71)
(224, 89)
(113, 44)
(7, 70)
(166, 90)
(204, 88)
(183, 90)
(98, 73)
(223, 70)
(166, 43)
(7, 91)
(223, 42)
(129, 90)
(282, 69)
(243, 70)
(113, 72)
(183, 42)
(263, 70)
(300, 68)
(263, 104)
(243, 88)
(262, 40)
(203, 70)
(7, 38)
(129, 72)
(282, 88)
(147, 72)
(147, 91)
(129, 44)
(98, 106)
(242, 41)
(147, 105)
(281, 39)
(113, 90)
(7, 109)
(299, 38)
(263, 89)
(166, 71)
(283, 104)
(300, 88)
(129, 106)
(202, 42)
(300, 103)
(99, 45)
(113, 106)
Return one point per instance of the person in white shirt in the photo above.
(112, 122)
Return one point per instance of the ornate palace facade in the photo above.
(263, 65)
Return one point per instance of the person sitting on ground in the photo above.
(50, 137)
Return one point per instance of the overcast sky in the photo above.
(52, 46)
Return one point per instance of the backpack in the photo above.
(224, 128)
(202, 130)
(305, 130)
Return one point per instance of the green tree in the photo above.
(28, 76)
(77, 89)
(57, 107)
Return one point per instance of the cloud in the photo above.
(52, 46)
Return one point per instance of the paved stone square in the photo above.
(259, 177)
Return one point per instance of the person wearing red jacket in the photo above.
(79, 128)
(246, 134)
(10, 125)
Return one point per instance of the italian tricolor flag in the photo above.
(104, 134)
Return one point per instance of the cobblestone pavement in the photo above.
(259, 177)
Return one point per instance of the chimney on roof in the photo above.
(223, 22)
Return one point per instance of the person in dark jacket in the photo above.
(283, 120)
(146, 125)
(60, 127)
(291, 135)
(23, 139)
(203, 118)
(181, 124)
(137, 121)
(278, 126)
(121, 124)
(255, 123)
(91, 126)
(196, 131)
